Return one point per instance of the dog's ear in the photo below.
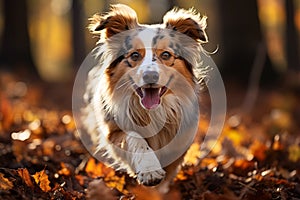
(188, 22)
(119, 18)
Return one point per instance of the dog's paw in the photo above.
(151, 178)
(149, 170)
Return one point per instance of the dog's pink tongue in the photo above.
(151, 98)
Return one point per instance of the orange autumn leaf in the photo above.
(236, 136)
(80, 179)
(116, 182)
(41, 178)
(93, 169)
(277, 145)
(5, 183)
(209, 163)
(98, 169)
(193, 155)
(181, 176)
(64, 170)
(24, 174)
(258, 150)
(107, 171)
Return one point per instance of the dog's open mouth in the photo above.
(150, 96)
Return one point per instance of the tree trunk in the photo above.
(15, 52)
(78, 32)
(240, 35)
(292, 42)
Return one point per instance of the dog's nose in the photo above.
(150, 77)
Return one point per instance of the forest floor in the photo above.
(257, 155)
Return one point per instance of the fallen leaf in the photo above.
(98, 169)
(48, 147)
(93, 169)
(181, 176)
(41, 178)
(294, 153)
(116, 182)
(209, 163)
(24, 174)
(258, 150)
(277, 145)
(236, 136)
(5, 183)
(241, 167)
(65, 170)
(81, 179)
(193, 154)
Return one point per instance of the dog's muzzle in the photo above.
(150, 77)
(151, 91)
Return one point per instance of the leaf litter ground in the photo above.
(257, 155)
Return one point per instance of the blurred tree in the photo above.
(15, 52)
(78, 32)
(241, 38)
(106, 4)
(159, 8)
(292, 41)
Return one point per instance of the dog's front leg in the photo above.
(143, 160)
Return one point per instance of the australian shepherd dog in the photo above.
(142, 97)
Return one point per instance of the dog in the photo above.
(142, 97)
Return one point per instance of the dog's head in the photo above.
(149, 60)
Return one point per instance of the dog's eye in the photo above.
(135, 56)
(165, 55)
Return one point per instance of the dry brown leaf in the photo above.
(41, 178)
(5, 183)
(24, 174)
